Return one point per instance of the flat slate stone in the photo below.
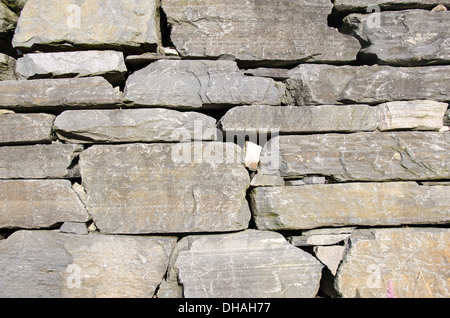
(248, 264)
(262, 31)
(66, 24)
(362, 5)
(192, 84)
(49, 264)
(39, 161)
(328, 84)
(108, 64)
(26, 128)
(166, 188)
(404, 38)
(57, 94)
(133, 125)
(413, 260)
(363, 204)
(360, 156)
(35, 204)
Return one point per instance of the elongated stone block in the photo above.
(133, 125)
(47, 264)
(362, 5)
(304, 119)
(65, 24)
(327, 84)
(415, 115)
(166, 188)
(422, 37)
(39, 203)
(413, 260)
(364, 204)
(194, 84)
(39, 161)
(261, 31)
(245, 265)
(58, 94)
(108, 64)
(360, 156)
(25, 128)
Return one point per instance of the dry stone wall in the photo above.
(164, 148)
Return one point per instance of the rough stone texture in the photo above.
(43, 264)
(362, 5)
(193, 84)
(25, 128)
(330, 256)
(321, 237)
(305, 119)
(7, 67)
(108, 64)
(133, 125)
(447, 117)
(251, 155)
(160, 188)
(58, 94)
(15, 5)
(39, 203)
(366, 204)
(8, 19)
(415, 115)
(327, 84)
(249, 264)
(66, 24)
(39, 161)
(256, 31)
(415, 260)
(360, 156)
(404, 38)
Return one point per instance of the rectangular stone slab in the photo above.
(166, 188)
(39, 161)
(301, 119)
(47, 264)
(360, 156)
(364, 204)
(66, 24)
(329, 85)
(26, 128)
(422, 37)
(413, 260)
(260, 31)
(247, 264)
(50, 94)
(192, 84)
(133, 125)
(39, 203)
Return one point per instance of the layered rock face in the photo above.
(224, 149)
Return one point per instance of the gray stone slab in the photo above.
(26, 128)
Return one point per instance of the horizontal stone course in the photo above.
(26, 128)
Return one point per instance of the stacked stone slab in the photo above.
(229, 149)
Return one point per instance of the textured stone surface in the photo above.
(246, 264)
(404, 38)
(15, 5)
(330, 256)
(416, 115)
(327, 84)
(108, 64)
(362, 5)
(39, 161)
(415, 260)
(65, 24)
(39, 203)
(58, 94)
(193, 84)
(25, 128)
(305, 119)
(366, 204)
(8, 19)
(360, 156)
(133, 125)
(160, 188)
(49, 264)
(7, 67)
(256, 30)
